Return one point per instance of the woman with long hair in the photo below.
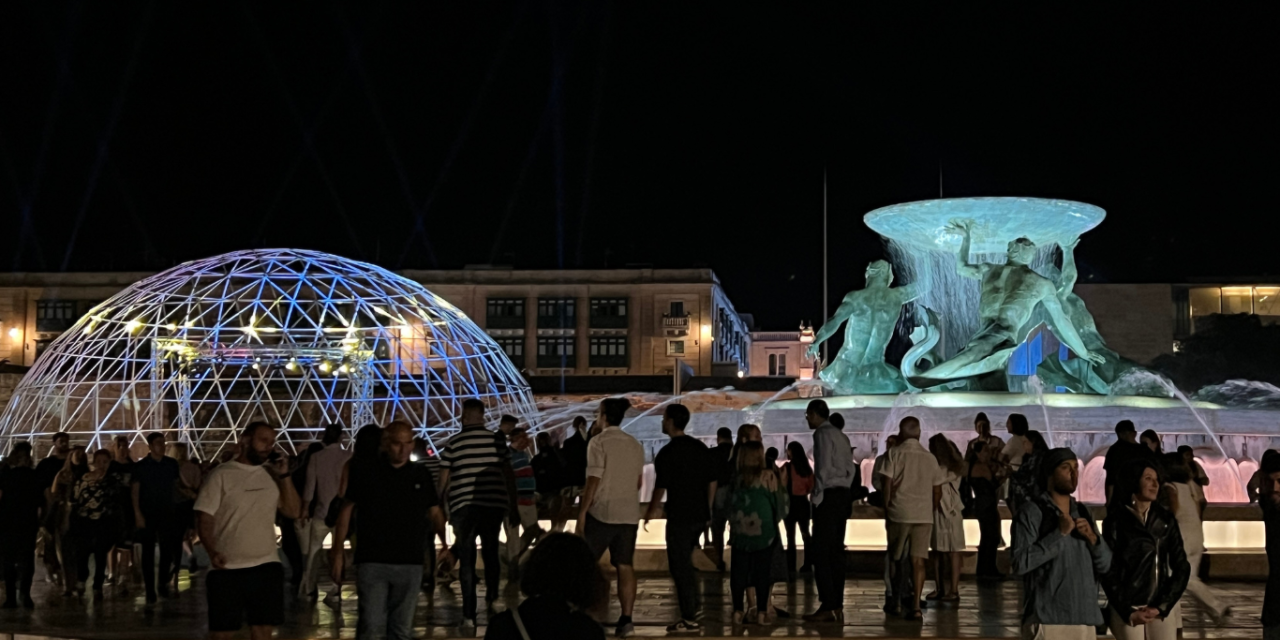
(798, 476)
(94, 525)
(1024, 483)
(948, 520)
(1152, 441)
(754, 513)
(985, 473)
(1149, 570)
(58, 521)
(563, 587)
(1182, 497)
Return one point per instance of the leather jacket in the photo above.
(1149, 565)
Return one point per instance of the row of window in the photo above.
(561, 313)
(559, 351)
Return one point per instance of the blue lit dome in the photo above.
(298, 338)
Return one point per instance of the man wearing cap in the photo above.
(1059, 554)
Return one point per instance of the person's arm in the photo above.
(1065, 330)
(309, 487)
(963, 268)
(711, 497)
(205, 527)
(138, 520)
(1029, 549)
(1067, 278)
(588, 497)
(655, 505)
(444, 485)
(1179, 572)
(832, 325)
(820, 465)
(337, 551)
(289, 505)
(513, 499)
(439, 522)
(1097, 547)
(937, 498)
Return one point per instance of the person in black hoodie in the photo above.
(1149, 571)
(21, 504)
(1270, 501)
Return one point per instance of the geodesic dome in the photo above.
(298, 338)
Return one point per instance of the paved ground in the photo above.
(985, 610)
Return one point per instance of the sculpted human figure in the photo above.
(1010, 293)
(869, 316)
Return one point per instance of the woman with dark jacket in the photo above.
(1149, 571)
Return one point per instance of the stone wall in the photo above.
(1135, 319)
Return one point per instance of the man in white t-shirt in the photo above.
(610, 511)
(913, 489)
(236, 517)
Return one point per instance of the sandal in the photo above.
(914, 616)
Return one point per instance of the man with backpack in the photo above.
(1059, 553)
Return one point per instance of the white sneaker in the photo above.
(467, 623)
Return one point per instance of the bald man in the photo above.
(397, 501)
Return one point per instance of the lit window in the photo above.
(675, 347)
(1237, 300)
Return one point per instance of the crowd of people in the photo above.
(384, 500)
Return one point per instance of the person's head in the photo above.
(520, 439)
(750, 462)
(1175, 467)
(155, 444)
(1188, 455)
(76, 458)
(879, 275)
(1022, 251)
(1139, 481)
(61, 443)
(19, 455)
(563, 568)
(674, 419)
(891, 441)
(909, 428)
(749, 433)
(612, 411)
(1270, 487)
(472, 412)
(1126, 431)
(799, 460)
(836, 421)
(579, 424)
(982, 424)
(332, 434)
(397, 441)
(544, 441)
(507, 423)
(122, 449)
(1016, 423)
(256, 443)
(1152, 441)
(1059, 472)
(771, 457)
(1038, 443)
(946, 453)
(179, 451)
(816, 413)
(368, 442)
(724, 435)
(101, 460)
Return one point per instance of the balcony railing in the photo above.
(675, 323)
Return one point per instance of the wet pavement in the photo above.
(987, 609)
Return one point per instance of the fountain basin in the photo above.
(922, 225)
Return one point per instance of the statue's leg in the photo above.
(984, 354)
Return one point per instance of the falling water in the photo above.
(667, 402)
(756, 416)
(1035, 389)
(901, 406)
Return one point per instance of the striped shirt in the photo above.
(475, 457)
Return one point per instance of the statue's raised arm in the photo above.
(1066, 330)
(1067, 279)
(965, 229)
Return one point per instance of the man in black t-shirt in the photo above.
(574, 451)
(395, 500)
(687, 476)
(155, 513)
(1125, 450)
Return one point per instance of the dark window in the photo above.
(777, 364)
(556, 352)
(55, 315)
(677, 308)
(504, 313)
(609, 313)
(608, 351)
(513, 347)
(556, 313)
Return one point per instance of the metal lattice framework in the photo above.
(299, 338)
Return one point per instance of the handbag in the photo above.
(966, 497)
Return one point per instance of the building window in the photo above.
(675, 347)
(677, 308)
(55, 315)
(513, 347)
(609, 313)
(556, 313)
(777, 364)
(555, 352)
(504, 313)
(608, 351)
(1237, 300)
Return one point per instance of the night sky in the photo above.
(593, 134)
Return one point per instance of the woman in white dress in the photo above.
(1183, 497)
(948, 523)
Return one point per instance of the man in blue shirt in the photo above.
(1059, 553)
(832, 503)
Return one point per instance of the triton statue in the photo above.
(870, 316)
(1010, 293)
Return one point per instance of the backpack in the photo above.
(1049, 519)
